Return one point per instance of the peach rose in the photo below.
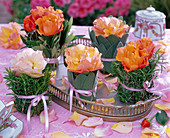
(10, 36)
(29, 62)
(29, 23)
(109, 25)
(82, 58)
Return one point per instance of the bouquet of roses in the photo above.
(47, 30)
(136, 67)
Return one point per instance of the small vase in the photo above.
(84, 81)
(53, 63)
(131, 88)
(108, 47)
(27, 86)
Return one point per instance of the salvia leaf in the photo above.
(162, 117)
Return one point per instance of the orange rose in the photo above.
(49, 25)
(109, 25)
(29, 23)
(131, 58)
(40, 12)
(146, 47)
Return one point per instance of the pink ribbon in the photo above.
(52, 60)
(108, 59)
(34, 102)
(82, 92)
(146, 85)
(108, 83)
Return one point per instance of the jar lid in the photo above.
(150, 13)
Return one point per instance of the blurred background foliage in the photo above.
(86, 11)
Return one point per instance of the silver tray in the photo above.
(114, 113)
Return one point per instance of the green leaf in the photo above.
(124, 39)
(23, 40)
(118, 46)
(54, 51)
(120, 17)
(114, 40)
(104, 41)
(79, 81)
(37, 48)
(78, 36)
(93, 36)
(29, 46)
(89, 81)
(102, 49)
(34, 43)
(69, 38)
(162, 117)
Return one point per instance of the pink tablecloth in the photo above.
(38, 129)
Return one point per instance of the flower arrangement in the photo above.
(47, 30)
(10, 36)
(28, 78)
(108, 33)
(83, 63)
(136, 68)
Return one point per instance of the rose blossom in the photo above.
(109, 25)
(82, 58)
(48, 20)
(29, 62)
(136, 54)
(10, 36)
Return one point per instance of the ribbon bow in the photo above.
(82, 92)
(34, 102)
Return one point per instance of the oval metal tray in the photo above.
(114, 113)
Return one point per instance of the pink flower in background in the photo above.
(122, 6)
(10, 36)
(123, 12)
(85, 3)
(7, 4)
(43, 3)
(61, 3)
(81, 8)
(73, 10)
(111, 11)
(100, 4)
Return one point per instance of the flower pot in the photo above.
(28, 86)
(84, 81)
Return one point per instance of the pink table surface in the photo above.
(38, 129)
